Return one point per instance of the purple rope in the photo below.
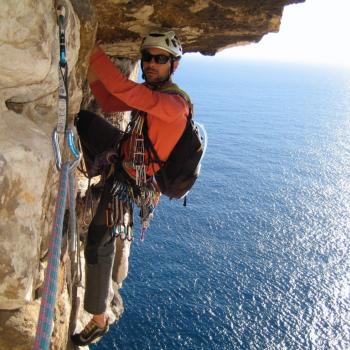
(48, 301)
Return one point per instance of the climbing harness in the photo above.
(142, 192)
(66, 190)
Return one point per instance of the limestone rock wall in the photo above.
(29, 51)
(28, 89)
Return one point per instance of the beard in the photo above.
(152, 75)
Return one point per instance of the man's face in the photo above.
(157, 72)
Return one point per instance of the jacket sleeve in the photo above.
(108, 102)
(164, 106)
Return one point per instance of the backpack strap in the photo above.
(173, 89)
(149, 146)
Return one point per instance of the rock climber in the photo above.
(155, 111)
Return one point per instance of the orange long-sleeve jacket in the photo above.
(166, 113)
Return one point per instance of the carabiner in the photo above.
(57, 152)
(56, 149)
(71, 144)
(73, 149)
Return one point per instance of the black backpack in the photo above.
(179, 172)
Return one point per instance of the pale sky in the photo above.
(316, 31)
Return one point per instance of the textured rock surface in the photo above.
(29, 50)
(23, 147)
(28, 84)
(18, 327)
(205, 26)
(29, 53)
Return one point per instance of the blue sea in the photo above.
(259, 258)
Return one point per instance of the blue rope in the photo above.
(72, 216)
(48, 301)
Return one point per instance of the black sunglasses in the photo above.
(160, 59)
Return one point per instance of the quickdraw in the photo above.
(120, 211)
(62, 71)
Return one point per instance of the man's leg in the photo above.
(97, 136)
(99, 255)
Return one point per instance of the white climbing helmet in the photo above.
(167, 41)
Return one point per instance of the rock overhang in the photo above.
(205, 26)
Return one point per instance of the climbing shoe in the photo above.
(92, 333)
